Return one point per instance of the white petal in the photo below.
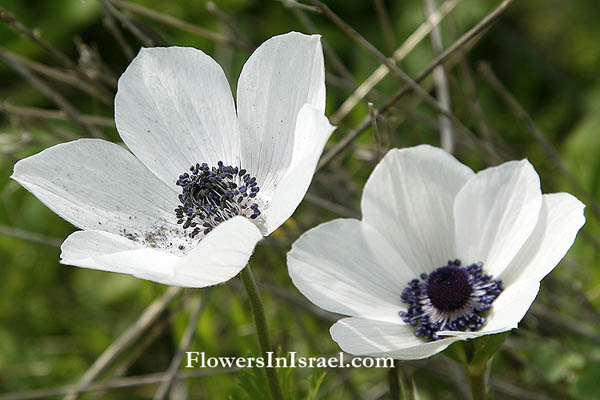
(345, 266)
(495, 212)
(223, 253)
(312, 131)
(109, 252)
(508, 309)
(174, 109)
(409, 199)
(283, 74)
(560, 219)
(217, 258)
(95, 184)
(360, 336)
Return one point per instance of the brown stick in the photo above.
(111, 25)
(177, 23)
(116, 383)
(151, 314)
(31, 112)
(412, 84)
(29, 236)
(188, 335)
(48, 92)
(473, 33)
(441, 82)
(375, 131)
(514, 105)
(128, 24)
(386, 25)
(68, 78)
(401, 52)
(11, 21)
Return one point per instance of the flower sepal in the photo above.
(475, 353)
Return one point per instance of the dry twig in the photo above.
(60, 115)
(29, 236)
(126, 339)
(188, 335)
(532, 128)
(53, 95)
(381, 72)
(469, 36)
(177, 23)
(441, 82)
(375, 131)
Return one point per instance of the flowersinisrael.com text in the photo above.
(195, 359)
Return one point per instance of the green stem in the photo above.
(394, 382)
(260, 319)
(477, 376)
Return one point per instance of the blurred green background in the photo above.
(56, 320)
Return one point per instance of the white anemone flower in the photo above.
(441, 254)
(204, 184)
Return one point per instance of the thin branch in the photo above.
(11, 21)
(473, 104)
(186, 339)
(128, 24)
(568, 323)
(177, 23)
(29, 236)
(381, 72)
(53, 95)
(386, 25)
(375, 131)
(331, 56)
(231, 24)
(148, 317)
(98, 92)
(516, 392)
(149, 338)
(470, 87)
(31, 112)
(116, 383)
(110, 24)
(399, 73)
(92, 64)
(474, 33)
(28, 125)
(331, 206)
(514, 105)
(441, 82)
(290, 298)
(295, 5)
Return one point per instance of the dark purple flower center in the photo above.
(211, 195)
(451, 298)
(448, 288)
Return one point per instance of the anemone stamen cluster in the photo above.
(211, 195)
(450, 298)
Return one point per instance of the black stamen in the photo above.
(212, 195)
